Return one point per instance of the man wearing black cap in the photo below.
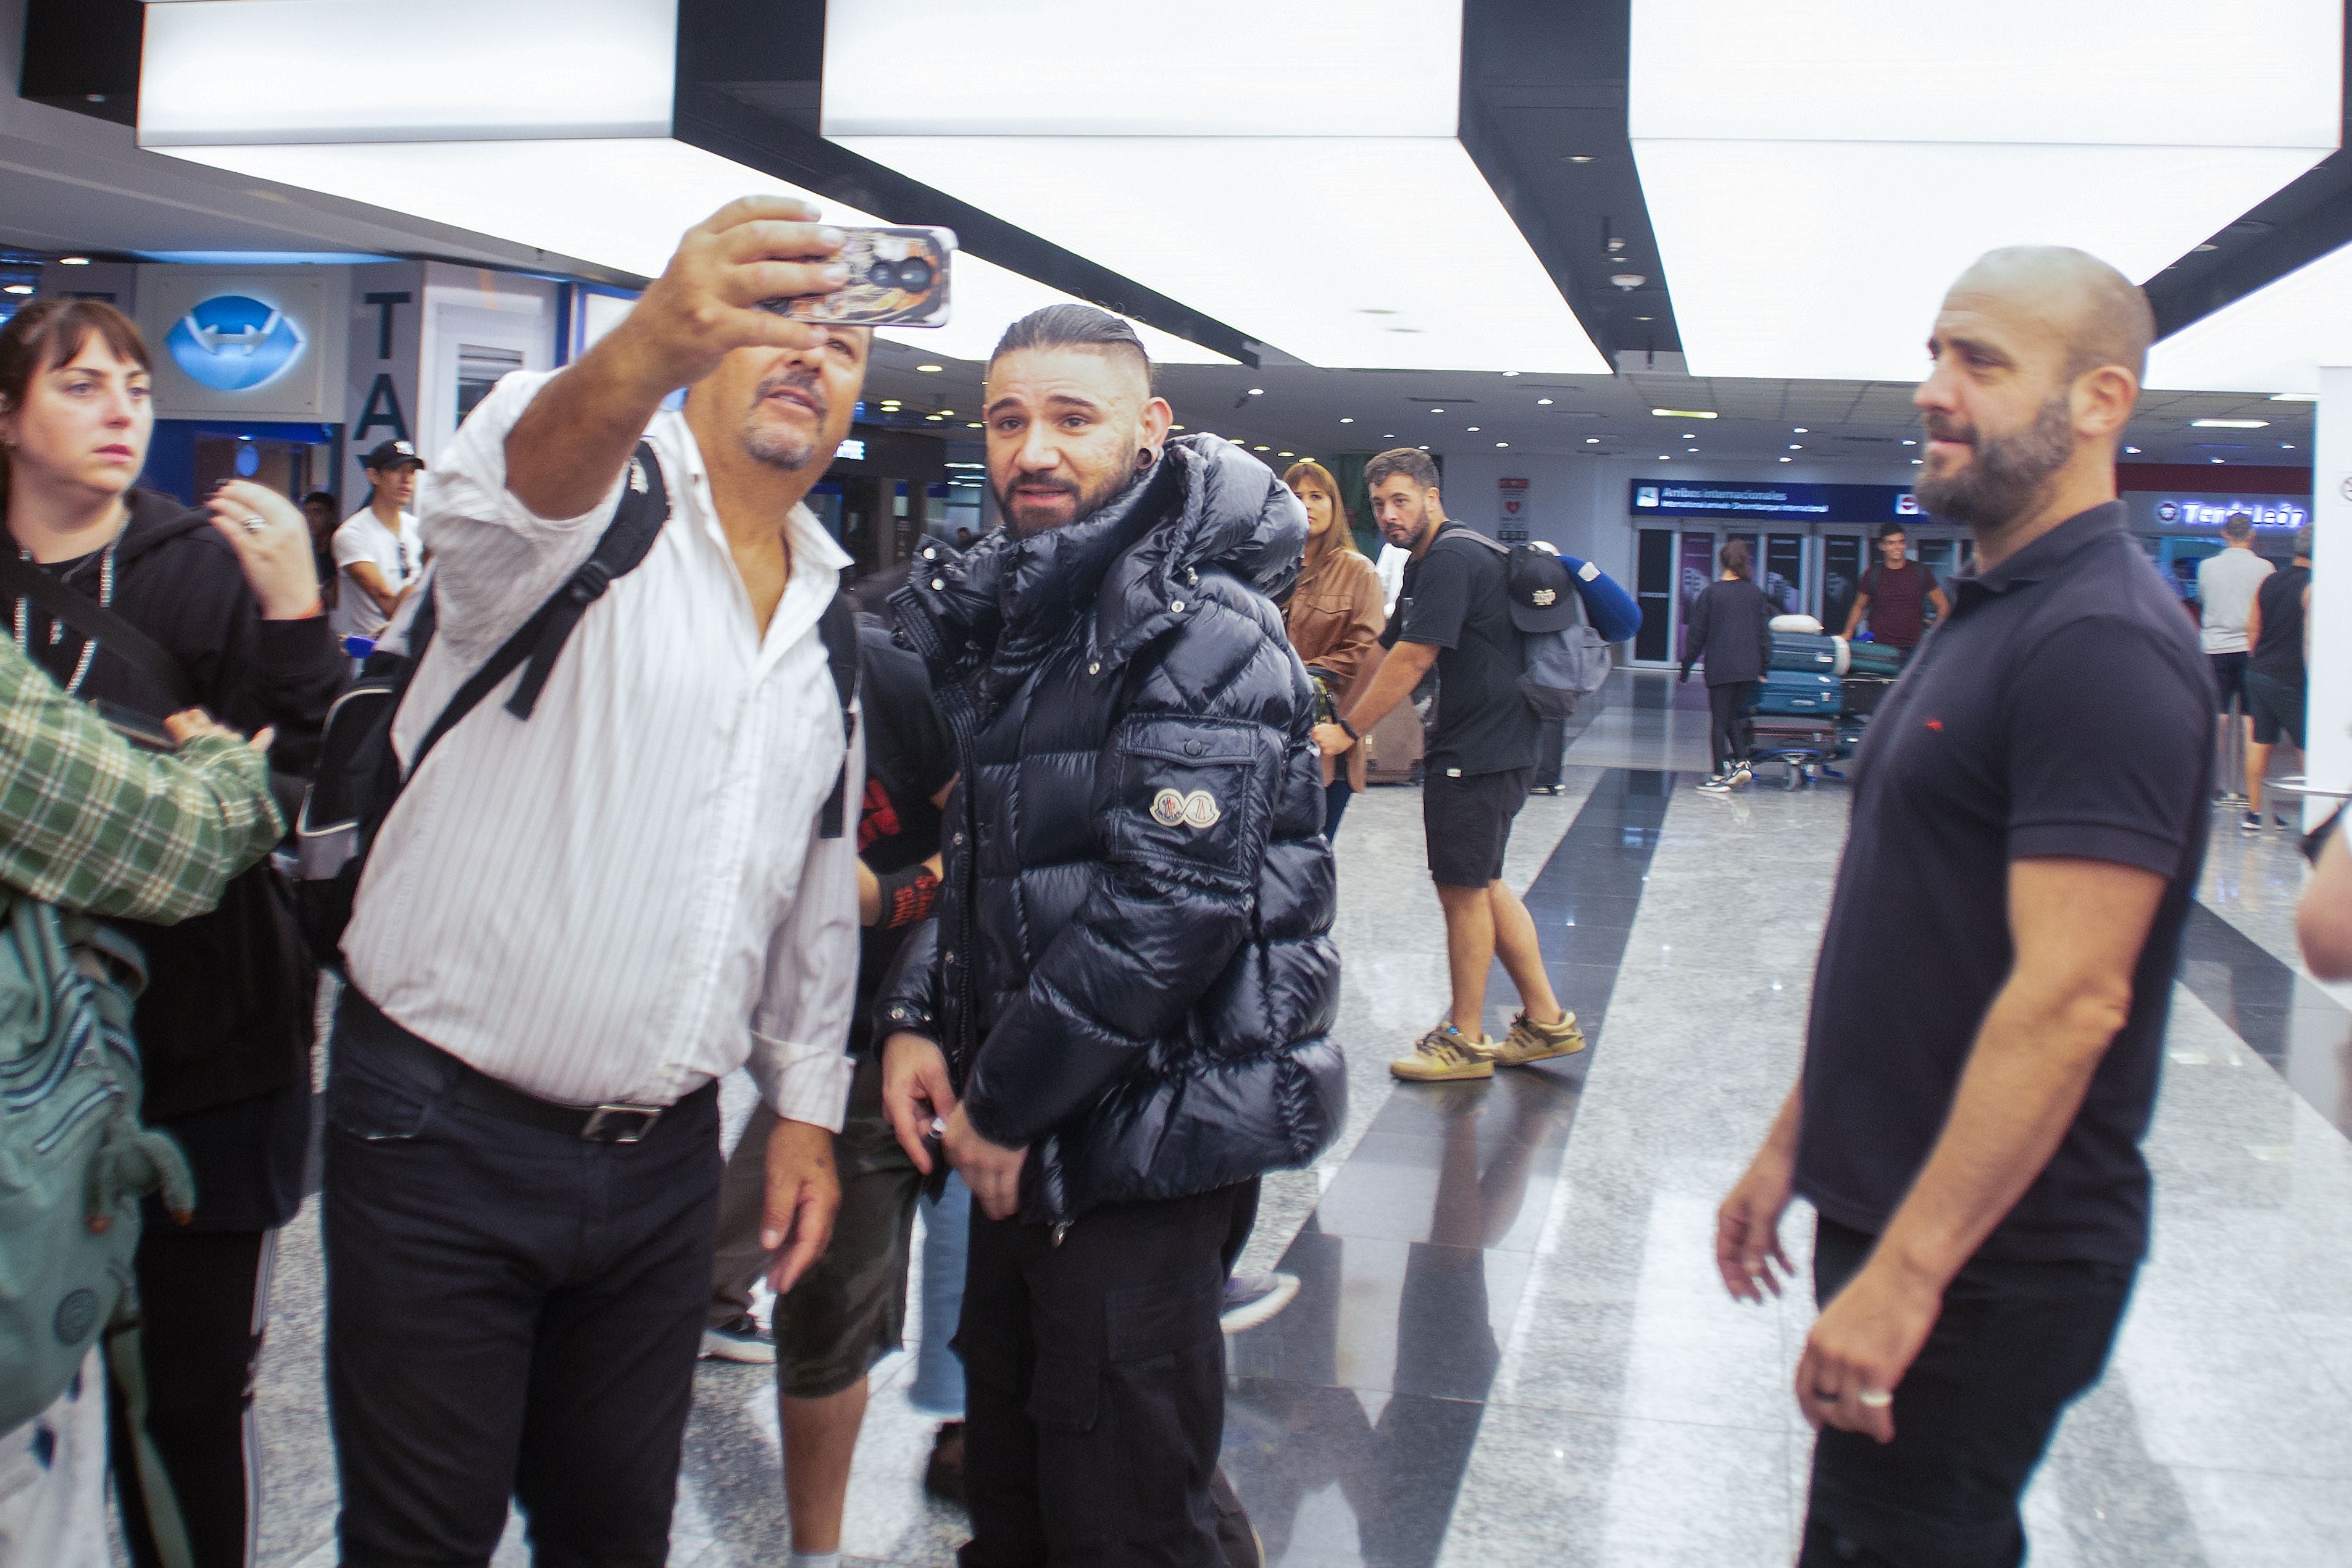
(1455, 614)
(378, 553)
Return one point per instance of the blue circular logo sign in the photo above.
(233, 344)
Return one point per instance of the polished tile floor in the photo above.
(1510, 1346)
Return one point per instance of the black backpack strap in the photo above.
(838, 628)
(644, 508)
(21, 579)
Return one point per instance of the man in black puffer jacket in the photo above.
(1121, 1010)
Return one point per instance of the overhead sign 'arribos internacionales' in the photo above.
(1773, 502)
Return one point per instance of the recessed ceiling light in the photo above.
(1681, 413)
(1437, 411)
(1501, 443)
(1510, 373)
(2286, 446)
(1796, 446)
(73, 261)
(1285, 454)
(2131, 450)
(1175, 426)
(2294, 397)
(1915, 462)
(933, 418)
(1646, 318)
(17, 288)
(931, 369)
(1261, 448)
(1579, 157)
(2229, 424)
(1389, 436)
(1908, 442)
(1689, 436)
(947, 412)
(1257, 392)
(2209, 244)
(1787, 460)
(1797, 430)
(1424, 446)
(1347, 421)
(975, 424)
(2217, 459)
(1474, 429)
(1664, 459)
(1543, 403)
(1592, 440)
(1690, 448)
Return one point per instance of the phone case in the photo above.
(898, 277)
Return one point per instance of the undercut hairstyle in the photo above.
(1893, 531)
(1073, 327)
(2237, 527)
(1411, 461)
(1734, 557)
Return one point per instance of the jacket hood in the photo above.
(156, 520)
(1204, 504)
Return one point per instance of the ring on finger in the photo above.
(1874, 1398)
(254, 522)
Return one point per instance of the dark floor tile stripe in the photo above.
(2298, 1028)
(1412, 1265)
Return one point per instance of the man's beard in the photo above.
(1999, 483)
(1090, 500)
(777, 448)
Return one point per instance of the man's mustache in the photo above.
(1945, 430)
(801, 382)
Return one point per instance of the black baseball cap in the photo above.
(391, 454)
(1543, 596)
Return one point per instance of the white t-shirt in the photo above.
(2226, 585)
(364, 537)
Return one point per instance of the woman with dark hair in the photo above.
(320, 510)
(223, 611)
(1730, 625)
(1334, 620)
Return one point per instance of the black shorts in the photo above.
(2228, 679)
(1467, 820)
(2273, 706)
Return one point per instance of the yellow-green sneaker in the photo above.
(1444, 1055)
(1529, 1041)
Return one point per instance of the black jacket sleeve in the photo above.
(1694, 627)
(1184, 794)
(908, 998)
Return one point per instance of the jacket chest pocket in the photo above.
(1190, 794)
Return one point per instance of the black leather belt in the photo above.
(391, 1047)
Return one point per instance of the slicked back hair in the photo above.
(1411, 461)
(1072, 326)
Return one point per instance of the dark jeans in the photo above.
(2016, 1343)
(1728, 732)
(1094, 1384)
(1334, 804)
(204, 1297)
(510, 1311)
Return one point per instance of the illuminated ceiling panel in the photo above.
(491, 142)
(1817, 171)
(1308, 189)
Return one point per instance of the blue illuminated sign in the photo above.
(1773, 502)
(231, 342)
(2203, 511)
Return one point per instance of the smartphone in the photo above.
(898, 277)
(139, 728)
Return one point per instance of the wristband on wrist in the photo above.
(908, 896)
(1351, 729)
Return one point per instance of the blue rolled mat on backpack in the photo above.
(1608, 608)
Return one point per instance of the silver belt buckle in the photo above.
(620, 1123)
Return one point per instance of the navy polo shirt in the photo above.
(2062, 709)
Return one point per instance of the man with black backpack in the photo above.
(590, 901)
(1455, 614)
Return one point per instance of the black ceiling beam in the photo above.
(2299, 222)
(749, 89)
(83, 55)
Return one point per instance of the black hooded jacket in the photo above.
(1131, 970)
(226, 1014)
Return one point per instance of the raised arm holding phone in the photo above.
(570, 929)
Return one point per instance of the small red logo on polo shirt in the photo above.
(1936, 724)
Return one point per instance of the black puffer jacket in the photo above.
(1131, 970)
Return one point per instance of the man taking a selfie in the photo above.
(570, 929)
(1120, 1009)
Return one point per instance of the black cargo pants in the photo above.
(1095, 1378)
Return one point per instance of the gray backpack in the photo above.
(1563, 657)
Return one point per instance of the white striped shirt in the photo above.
(625, 897)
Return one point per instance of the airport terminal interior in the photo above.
(1649, 282)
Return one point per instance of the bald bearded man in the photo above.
(1978, 1072)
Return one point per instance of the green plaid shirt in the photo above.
(89, 823)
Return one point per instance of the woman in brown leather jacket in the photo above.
(1335, 619)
